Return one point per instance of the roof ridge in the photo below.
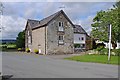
(51, 15)
(32, 20)
(79, 26)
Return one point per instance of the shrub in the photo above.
(36, 51)
(76, 45)
(27, 50)
(19, 49)
(116, 51)
(100, 48)
(104, 51)
(4, 46)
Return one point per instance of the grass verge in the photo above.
(95, 59)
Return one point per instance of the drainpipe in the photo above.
(45, 39)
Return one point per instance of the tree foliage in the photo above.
(20, 41)
(103, 19)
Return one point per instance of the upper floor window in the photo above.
(61, 39)
(60, 26)
(82, 38)
(29, 39)
(28, 33)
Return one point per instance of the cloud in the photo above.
(12, 26)
(16, 14)
(86, 24)
(58, 0)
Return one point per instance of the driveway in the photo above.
(24, 65)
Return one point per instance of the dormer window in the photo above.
(60, 26)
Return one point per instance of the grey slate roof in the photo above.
(33, 23)
(36, 24)
(49, 18)
(79, 29)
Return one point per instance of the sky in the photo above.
(15, 14)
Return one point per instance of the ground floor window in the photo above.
(79, 45)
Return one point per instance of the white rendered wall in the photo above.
(77, 40)
(107, 45)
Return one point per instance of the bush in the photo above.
(4, 46)
(36, 51)
(19, 49)
(76, 45)
(104, 51)
(116, 51)
(100, 48)
(27, 50)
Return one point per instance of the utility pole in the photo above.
(109, 43)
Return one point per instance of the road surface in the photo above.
(24, 65)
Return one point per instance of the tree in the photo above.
(20, 41)
(101, 21)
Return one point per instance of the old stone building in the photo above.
(53, 34)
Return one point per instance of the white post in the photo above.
(109, 43)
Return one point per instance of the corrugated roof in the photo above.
(79, 29)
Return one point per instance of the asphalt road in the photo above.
(22, 65)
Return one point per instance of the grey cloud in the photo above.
(12, 26)
(18, 13)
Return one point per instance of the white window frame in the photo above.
(61, 40)
(61, 26)
(28, 32)
(29, 39)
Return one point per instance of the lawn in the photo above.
(8, 47)
(95, 59)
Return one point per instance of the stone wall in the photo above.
(38, 39)
(53, 33)
(28, 28)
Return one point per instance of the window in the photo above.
(28, 33)
(60, 39)
(82, 38)
(29, 39)
(79, 46)
(60, 26)
(82, 45)
(79, 38)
